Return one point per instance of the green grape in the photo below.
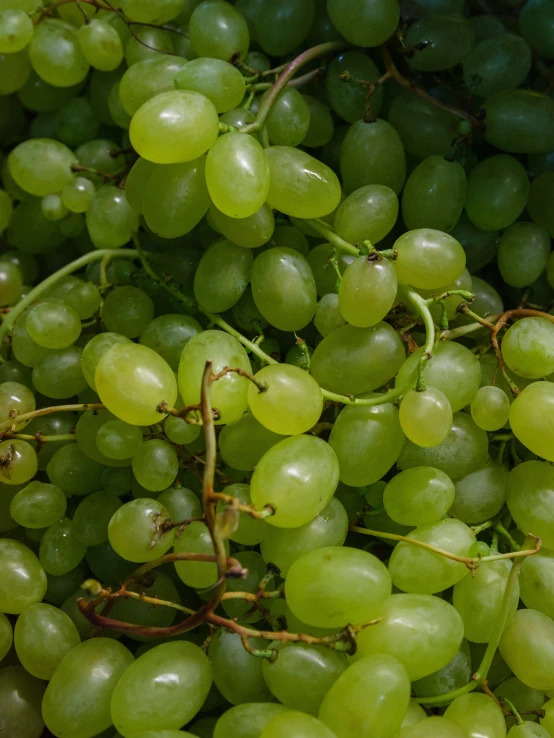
(178, 430)
(136, 181)
(20, 703)
(53, 324)
(528, 349)
(142, 10)
(6, 636)
(176, 198)
(60, 588)
(23, 580)
(136, 530)
(147, 42)
(60, 549)
(530, 487)
(182, 504)
(53, 207)
(16, 30)
(283, 546)
(10, 282)
(523, 253)
(288, 121)
(347, 98)
(243, 443)
(300, 185)
(91, 518)
(433, 727)
(490, 408)
(101, 45)
(363, 23)
(77, 699)
(229, 394)
(354, 360)
(132, 380)
(367, 291)
(249, 531)
(119, 440)
(478, 599)
(281, 29)
(372, 153)
(456, 674)
(301, 675)
(59, 374)
(428, 258)
(291, 403)
(325, 277)
(15, 399)
(55, 53)
(77, 194)
(298, 476)
(477, 714)
(419, 206)
(218, 30)
(9, 273)
(43, 635)
(39, 96)
(453, 370)
(38, 505)
(367, 441)
(520, 121)
(108, 566)
(196, 538)
(327, 314)
(99, 154)
(237, 175)
(368, 213)
(76, 122)
(464, 450)
(424, 129)
(330, 587)
(237, 673)
(447, 41)
(547, 720)
(219, 81)
(418, 571)
(24, 348)
(498, 63)
(536, 582)
(283, 288)
(370, 698)
(529, 418)
(15, 69)
(18, 462)
(249, 232)
(156, 464)
(41, 166)
(528, 730)
(88, 426)
(222, 276)
(247, 720)
(158, 586)
(423, 632)
(535, 24)
(524, 699)
(321, 127)
(418, 496)
(32, 233)
(73, 471)
(426, 417)
(480, 495)
(540, 198)
(174, 126)
(127, 311)
(486, 26)
(84, 299)
(110, 219)
(301, 725)
(13, 371)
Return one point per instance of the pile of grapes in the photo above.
(276, 369)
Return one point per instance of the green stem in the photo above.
(22, 305)
(284, 78)
(460, 293)
(511, 706)
(336, 241)
(421, 306)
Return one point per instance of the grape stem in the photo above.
(284, 78)
(7, 425)
(233, 502)
(391, 67)
(422, 307)
(39, 438)
(73, 266)
(471, 562)
(297, 82)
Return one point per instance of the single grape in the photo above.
(20, 702)
(426, 417)
(195, 538)
(301, 724)
(219, 81)
(419, 207)
(18, 462)
(520, 121)
(497, 192)
(16, 30)
(23, 580)
(136, 530)
(446, 39)
(38, 505)
(490, 408)
(237, 673)
(218, 30)
(155, 465)
(477, 713)
(480, 495)
(55, 53)
(41, 166)
(222, 275)
(53, 324)
(418, 496)
(364, 24)
(528, 347)
(110, 219)
(529, 418)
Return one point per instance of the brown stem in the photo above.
(399, 77)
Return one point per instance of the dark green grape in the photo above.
(281, 28)
(497, 192)
(348, 98)
(289, 119)
(372, 153)
(421, 208)
(536, 23)
(447, 40)
(222, 276)
(218, 30)
(520, 121)
(498, 63)
(423, 128)
(364, 23)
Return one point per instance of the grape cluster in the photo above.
(276, 369)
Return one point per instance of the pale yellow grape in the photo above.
(292, 402)
(132, 380)
(41, 166)
(426, 417)
(531, 417)
(174, 126)
(527, 646)
(478, 715)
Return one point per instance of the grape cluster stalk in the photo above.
(276, 369)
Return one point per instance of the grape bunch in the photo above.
(276, 369)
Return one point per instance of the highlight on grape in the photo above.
(276, 369)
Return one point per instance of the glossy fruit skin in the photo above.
(23, 580)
